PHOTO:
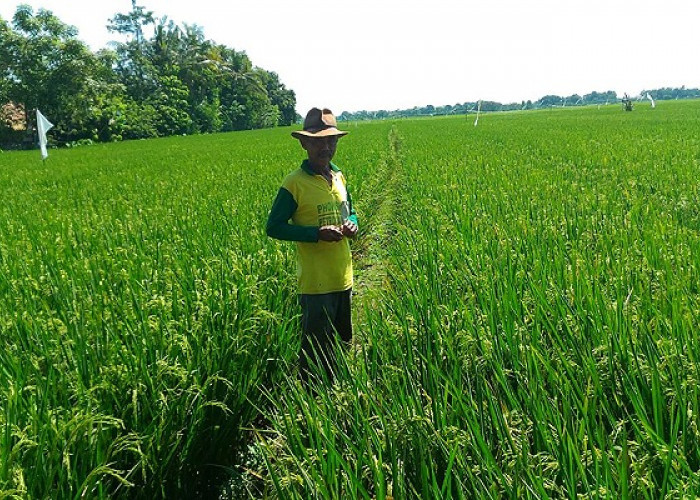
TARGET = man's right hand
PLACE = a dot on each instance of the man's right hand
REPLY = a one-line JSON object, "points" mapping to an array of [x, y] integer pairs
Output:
{"points": [[330, 233]]}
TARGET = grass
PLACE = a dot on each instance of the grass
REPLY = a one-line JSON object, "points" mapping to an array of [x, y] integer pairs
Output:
{"points": [[527, 309]]}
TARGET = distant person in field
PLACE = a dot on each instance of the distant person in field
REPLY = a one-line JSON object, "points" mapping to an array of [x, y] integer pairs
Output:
{"points": [[316, 200]]}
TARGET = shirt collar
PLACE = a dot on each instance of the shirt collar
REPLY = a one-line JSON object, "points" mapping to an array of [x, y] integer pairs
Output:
{"points": [[307, 168]]}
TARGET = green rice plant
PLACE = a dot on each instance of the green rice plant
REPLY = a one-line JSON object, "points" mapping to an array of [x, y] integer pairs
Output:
{"points": [[142, 309], [526, 321], [533, 334]]}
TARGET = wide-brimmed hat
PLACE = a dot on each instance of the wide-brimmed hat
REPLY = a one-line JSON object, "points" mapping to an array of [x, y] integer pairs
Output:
{"points": [[319, 123]]}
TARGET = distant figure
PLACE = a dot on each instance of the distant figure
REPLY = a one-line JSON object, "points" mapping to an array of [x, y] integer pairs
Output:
{"points": [[316, 199], [627, 103]]}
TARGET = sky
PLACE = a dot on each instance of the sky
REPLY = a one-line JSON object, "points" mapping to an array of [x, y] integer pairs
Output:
{"points": [[394, 54]]}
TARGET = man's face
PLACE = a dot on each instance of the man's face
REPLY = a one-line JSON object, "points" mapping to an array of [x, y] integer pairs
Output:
{"points": [[320, 149]]}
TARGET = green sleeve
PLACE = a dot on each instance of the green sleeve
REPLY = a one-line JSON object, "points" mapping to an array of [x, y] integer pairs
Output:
{"points": [[278, 225]]}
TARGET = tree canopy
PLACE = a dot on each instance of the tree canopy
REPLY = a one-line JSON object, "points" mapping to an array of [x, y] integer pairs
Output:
{"points": [[548, 101], [174, 81]]}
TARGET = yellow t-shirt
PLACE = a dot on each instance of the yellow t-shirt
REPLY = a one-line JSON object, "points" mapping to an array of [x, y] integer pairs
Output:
{"points": [[323, 266]]}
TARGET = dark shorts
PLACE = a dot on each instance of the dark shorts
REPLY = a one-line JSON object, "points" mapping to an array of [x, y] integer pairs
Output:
{"points": [[325, 320]]}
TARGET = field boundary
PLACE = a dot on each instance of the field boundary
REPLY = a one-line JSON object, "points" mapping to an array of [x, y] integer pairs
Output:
{"points": [[372, 247]]}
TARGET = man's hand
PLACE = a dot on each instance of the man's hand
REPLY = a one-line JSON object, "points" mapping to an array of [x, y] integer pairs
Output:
{"points": [[349, 229], [330, 233]]}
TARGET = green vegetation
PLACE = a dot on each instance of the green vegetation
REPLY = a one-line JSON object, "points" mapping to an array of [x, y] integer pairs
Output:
{"points": [[527, 312], [173, 82], [548, 101]]}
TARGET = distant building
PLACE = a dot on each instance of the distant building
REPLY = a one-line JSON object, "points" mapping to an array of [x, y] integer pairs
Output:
{"points": [[12, 116]]}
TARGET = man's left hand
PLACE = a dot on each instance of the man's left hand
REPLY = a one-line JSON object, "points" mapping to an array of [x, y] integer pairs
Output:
{"points": [[349, 229]]}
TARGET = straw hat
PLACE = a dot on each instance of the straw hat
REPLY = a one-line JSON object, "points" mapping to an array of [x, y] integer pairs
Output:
{"points": [[319, 123]]}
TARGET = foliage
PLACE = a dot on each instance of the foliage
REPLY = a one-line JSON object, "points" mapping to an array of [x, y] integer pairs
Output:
{"points": [[174, 82], [668, 93], [548, 101], [194, 84], [46, 68]]}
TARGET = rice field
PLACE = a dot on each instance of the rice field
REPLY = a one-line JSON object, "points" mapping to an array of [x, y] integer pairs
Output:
{"points": [[527, 307]]}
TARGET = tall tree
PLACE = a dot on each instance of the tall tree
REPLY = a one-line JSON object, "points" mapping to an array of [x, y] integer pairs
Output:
{"points": [[170, 82], [280, 96], [132, 64], [5, 61], [46, 66], [132, 23]]}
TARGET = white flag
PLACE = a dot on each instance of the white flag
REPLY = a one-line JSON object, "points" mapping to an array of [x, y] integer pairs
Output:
{"points": [[43, 126], [653, 104]]}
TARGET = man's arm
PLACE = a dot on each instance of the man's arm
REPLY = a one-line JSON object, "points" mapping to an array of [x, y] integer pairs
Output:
{"points": [[278, 225]]}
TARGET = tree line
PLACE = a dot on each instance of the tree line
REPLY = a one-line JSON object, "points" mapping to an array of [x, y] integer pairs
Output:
{"points": [[174, 81], [548, 101]]}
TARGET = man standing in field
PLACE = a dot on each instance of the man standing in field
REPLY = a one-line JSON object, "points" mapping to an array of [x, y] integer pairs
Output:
{"points": [[316, 199]]}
